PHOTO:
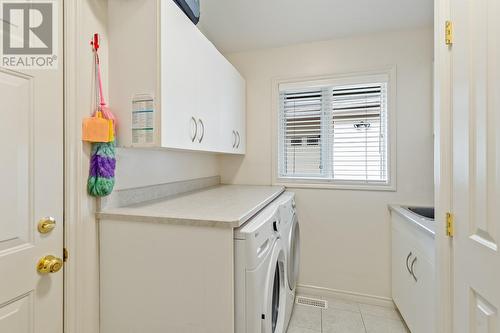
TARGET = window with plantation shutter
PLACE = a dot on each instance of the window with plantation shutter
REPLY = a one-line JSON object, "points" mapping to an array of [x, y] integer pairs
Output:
{"points": [[335, 132]]}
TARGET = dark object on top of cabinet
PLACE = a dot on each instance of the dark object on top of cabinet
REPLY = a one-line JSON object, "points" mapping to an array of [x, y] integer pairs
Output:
{"points": [[191, 8]]}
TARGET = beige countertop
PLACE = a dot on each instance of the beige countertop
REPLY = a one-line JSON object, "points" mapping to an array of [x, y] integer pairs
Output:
{"points": [[221, 206]]}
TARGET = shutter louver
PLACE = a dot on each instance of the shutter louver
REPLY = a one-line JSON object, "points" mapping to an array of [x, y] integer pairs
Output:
{"points": [[359, 145], [300, 133], [335, 133]]}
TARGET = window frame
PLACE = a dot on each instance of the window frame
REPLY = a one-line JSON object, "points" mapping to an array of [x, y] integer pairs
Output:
{"points": [[385, 74]]}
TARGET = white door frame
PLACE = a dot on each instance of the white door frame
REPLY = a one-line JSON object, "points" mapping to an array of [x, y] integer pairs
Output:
{"points": [[72, 162], [442, 166], [78, 302]]}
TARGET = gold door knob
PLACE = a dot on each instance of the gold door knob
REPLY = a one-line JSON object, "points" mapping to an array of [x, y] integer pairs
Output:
{"points": [[46, 225], [49, 264]]}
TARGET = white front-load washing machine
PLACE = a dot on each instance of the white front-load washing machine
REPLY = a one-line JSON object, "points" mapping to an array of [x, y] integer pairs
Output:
{"points": [[260, 274], [290, 236]]}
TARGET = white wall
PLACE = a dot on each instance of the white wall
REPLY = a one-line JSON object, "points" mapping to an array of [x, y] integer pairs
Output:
{"points": [[142, 167], [345, 234]]}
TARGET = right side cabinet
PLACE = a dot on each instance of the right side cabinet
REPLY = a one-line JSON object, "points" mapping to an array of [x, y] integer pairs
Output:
{"points": [[413, 269]]}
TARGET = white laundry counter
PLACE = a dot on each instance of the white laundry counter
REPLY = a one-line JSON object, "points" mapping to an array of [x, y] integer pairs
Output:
{"points": [[167, 263]]}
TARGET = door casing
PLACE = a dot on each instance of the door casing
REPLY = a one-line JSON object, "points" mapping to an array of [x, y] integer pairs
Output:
{"points": [[81, 293], [442, 166]]}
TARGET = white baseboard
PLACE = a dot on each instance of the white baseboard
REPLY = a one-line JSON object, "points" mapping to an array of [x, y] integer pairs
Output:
{"points": [[346, 295]]}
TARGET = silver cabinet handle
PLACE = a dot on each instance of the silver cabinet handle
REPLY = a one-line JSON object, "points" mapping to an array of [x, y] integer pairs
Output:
{"points": [[408, 267], [411, 268], [202, 130], [239, 139], [234, 138], [193, 136]]}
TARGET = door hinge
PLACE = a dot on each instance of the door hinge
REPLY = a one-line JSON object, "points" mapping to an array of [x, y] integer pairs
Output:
{"points": [[65, 254], [450, 225], [448, 33]]}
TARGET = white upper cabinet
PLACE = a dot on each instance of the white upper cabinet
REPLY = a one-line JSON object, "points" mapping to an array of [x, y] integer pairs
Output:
{"points": [[161, 62]]}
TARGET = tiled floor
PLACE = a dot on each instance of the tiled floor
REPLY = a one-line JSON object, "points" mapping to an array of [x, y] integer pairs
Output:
{"points": [[346, 317]]}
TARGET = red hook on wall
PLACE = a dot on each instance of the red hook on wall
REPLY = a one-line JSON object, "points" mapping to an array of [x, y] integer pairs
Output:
{"points": [[95, 42]]}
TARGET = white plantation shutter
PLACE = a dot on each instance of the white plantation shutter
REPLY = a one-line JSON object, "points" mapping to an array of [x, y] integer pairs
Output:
{"points": [[359, 131], [300, 132], [335, 133]]}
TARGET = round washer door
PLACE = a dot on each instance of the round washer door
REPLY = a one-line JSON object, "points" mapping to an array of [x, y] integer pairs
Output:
{"points": [[293, 253], [276, 300], [274, 315]]}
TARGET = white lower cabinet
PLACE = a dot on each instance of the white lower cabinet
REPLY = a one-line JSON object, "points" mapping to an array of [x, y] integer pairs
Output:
{"points": [[165, 278], [424, 294], [402, 280], [197, 97], [413, 270]]}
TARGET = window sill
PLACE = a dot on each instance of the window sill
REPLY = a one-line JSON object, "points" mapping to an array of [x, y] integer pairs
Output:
{"points": [[301, 183]]}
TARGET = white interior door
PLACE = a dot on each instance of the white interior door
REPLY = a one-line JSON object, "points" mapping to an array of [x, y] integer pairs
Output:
{"points": [[476, 165], [31, 173]]}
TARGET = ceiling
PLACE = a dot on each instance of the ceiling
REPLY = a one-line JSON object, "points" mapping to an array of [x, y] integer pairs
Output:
{"points": [[241, 25]]}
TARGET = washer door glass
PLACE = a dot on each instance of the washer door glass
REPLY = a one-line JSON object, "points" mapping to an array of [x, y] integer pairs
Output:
{"points": [[294, 253], [275, 307]]}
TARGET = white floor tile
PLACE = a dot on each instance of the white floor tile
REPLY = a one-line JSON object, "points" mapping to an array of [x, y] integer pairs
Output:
{"points": [[342, 321], [294, 329], [340, 304], [379, 311], [306, 317], [376, 324], [344, 316]]}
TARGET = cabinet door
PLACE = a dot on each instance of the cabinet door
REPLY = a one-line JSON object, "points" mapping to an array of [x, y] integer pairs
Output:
{"points": [[402, 280], [423, 294], [228, 137], [209, 95], [179, 77], [233, 120], [239, 109]]}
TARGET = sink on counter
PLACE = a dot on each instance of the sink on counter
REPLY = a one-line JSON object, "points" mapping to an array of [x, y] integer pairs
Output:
{"points": [[421, 216], [413, 265], [426, 212]]}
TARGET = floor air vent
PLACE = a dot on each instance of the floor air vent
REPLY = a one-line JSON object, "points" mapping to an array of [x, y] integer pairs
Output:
{"points": [[313, 302]]}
